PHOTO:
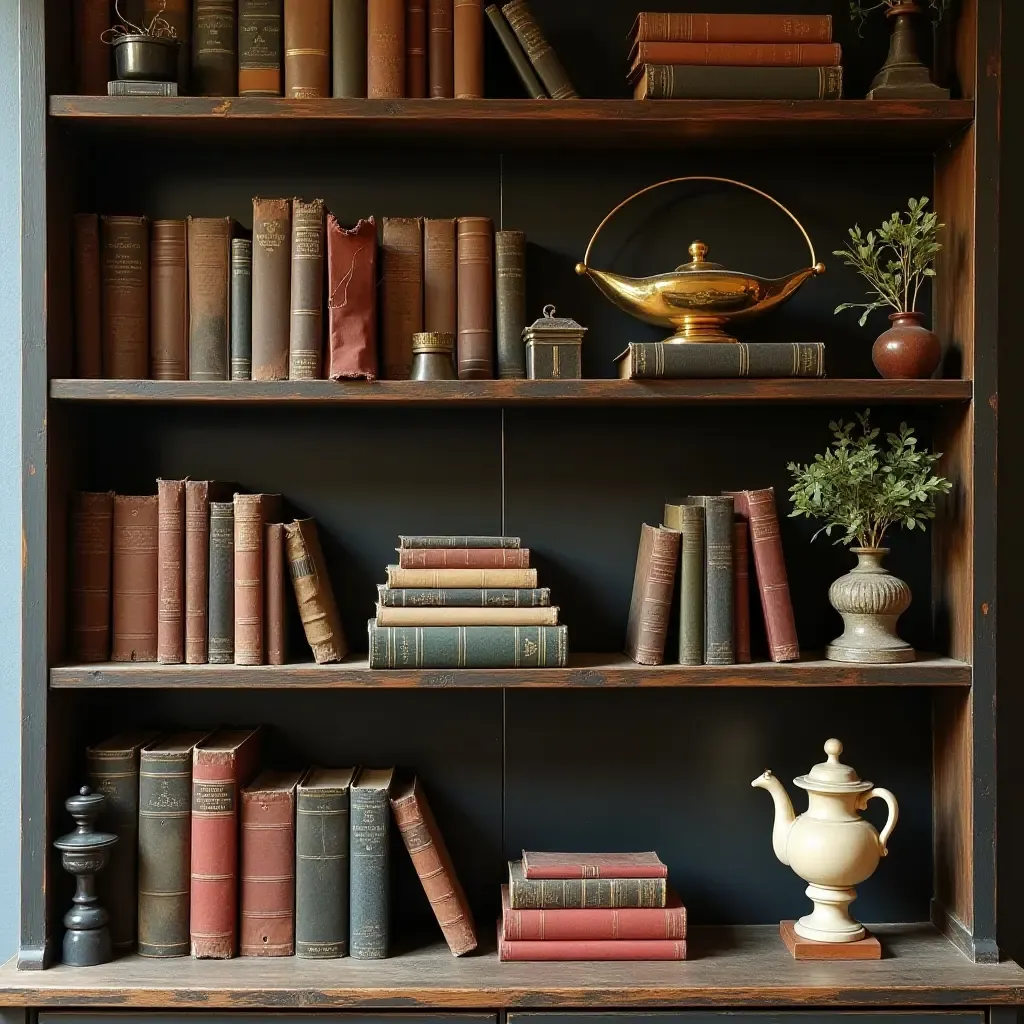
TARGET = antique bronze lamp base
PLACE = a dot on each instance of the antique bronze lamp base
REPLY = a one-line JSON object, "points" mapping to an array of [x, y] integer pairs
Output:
{"points": [[706, 329]]}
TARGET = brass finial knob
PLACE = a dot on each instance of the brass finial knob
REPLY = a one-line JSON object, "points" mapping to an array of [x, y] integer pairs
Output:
{"points": [[698, 252]]}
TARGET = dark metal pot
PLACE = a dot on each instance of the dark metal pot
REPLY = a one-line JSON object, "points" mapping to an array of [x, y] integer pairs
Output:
{"points": [[146, 58]]}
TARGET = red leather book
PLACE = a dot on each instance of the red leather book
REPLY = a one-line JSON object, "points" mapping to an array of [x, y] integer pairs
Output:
{"points": [[464, 558], [741, 591], [591, 949], [593, 865], [221, 765], [91, 531], [275, 572], [475, 249], [170, 572], [656, 27], [134, 578], [792, 55], [351, 299]]}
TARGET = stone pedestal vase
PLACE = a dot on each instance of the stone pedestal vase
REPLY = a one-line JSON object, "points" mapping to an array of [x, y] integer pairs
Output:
{"points": [[903, 76], [908, 350], [870, 600]]}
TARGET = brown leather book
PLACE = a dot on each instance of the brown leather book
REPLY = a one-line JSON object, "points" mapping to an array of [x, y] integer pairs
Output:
{"points": [[306, 334], [198, 495], [313, 591], [741, 591], [657, 27], [739, 54], [124, 261], [352, 299], [468, 46], [543, 58], [168, 301], [441, 49], [209, 290], [510, 274], [215, 48], [88, 312], [92, 54], [170, 578], [416, 49], [440, 306], [252, 513], [134, 577], [259, 47], [348, 49], [476, 298], [177, 14], [275, 572], [91, 525], [385, 49], [307, 49], [271, 287], [651, 602], [401, 296]]}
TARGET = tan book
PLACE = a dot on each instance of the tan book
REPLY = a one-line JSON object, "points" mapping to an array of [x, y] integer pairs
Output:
{"points": [[317, 607], [518, 578], [391, 616], [401, 293]]}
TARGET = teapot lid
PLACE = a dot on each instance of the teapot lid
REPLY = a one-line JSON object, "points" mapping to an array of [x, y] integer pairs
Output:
{"points": [[832, 776], [698, 262]]}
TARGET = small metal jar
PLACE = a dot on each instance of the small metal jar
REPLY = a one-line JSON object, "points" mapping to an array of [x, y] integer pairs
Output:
{"points": [[432, 353], [553, 348], [146, 58]]}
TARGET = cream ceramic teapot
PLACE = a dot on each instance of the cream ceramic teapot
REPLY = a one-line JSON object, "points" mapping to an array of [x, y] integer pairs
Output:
{"points": [[830, 845]]}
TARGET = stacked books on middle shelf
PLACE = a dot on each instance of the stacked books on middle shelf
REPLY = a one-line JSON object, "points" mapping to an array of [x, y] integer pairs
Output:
{"points": [[465, 602], [590, 906]]}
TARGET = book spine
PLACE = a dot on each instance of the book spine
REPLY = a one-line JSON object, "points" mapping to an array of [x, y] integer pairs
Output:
{"points": [[214, 48], [87, 288], [462, 541], [618, 949], [322, 874], [593, 865], [464, 558], [732, 28], [385, 50], [691, 586], [249, 579], [718, 609], [440, 296], [305, 341], [92, 54], [586, 893], [209, 290], [519, 60], [91, 531], [806, 55], [401, 293], [483, 578], [267, 926], [416, 49], [124, 259], [387, 616], [476, 298], [468, 46], [170, 635], [348, 22], [134, 578], [271, 287], [313, 592], [655, 361], [653, 583], [543, 58], [222, 583], [168, 293], [593, 925], [197, 546], [441, 44], [259, 47], [504, 597], [241, 309], [177, 14], [741, 591], [680, 81], [369, 897], [510, 274], [307, 55], [352, 299], [274, 573], [468, 646]]}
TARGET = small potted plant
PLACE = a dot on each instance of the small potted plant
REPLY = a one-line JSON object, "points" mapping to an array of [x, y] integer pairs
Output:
{"points": [[903, 76], [861, 490], [895, 260], [146, 52]]}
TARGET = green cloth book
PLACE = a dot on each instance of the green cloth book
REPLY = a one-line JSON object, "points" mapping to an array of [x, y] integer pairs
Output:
{"points": [[583, 893], [467, 646], [653, 360]]}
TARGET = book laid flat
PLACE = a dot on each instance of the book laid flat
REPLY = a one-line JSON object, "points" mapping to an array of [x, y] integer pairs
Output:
{"points": [[351, 300], [441, 48], [468, 646], [448, 597], [275, 575], [88, 360], [241, 309], [543, 58], [314, 593], [440, 306], [475, 346], [582, 893], [583, 949], [168, 299], [731, 28], [92, 515], [741, 591], [305, 341], [259, 47], [401, 291], [134, 578], [689, 521], [510, 285], [271, 287], [91, 53], [593, 865], [416, 49], [794, 55], [651, 600], [434, 866], [369, 888], [464, 558], [697, 82], [142, 88], [220, 612], [124, 263], [385, 49], [170, 573], [215, 48], [457, 541], [516, 54], [399, 577], [307, 49], [348, 48], [468, 47], [652, 360], [718, 581], [209, 297], [200, 564], [456, 616]]}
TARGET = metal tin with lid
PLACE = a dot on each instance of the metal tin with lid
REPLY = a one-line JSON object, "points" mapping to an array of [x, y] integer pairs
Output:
{"points": [[432, 353], [554, 347]]}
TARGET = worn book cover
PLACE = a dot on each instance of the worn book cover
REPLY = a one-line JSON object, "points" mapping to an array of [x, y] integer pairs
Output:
{"points": [[399, 577], [593, 865], [689, 521], [582, 893], [134, 574], [92, 516], [388, 615], [369, 892], [317, 607], [718, 576], [170, 579], [653, 584], [411, 647]]}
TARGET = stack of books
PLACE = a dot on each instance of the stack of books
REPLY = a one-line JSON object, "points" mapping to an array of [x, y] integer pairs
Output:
{"points": [[735, 57], [465, 602], [590, 906]]}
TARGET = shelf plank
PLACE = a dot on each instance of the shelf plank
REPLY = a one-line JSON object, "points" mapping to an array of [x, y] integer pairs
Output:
{"points": [[584, 671], [731, 967]]}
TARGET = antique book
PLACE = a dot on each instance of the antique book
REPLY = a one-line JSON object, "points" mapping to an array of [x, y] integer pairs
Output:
{"points": [[165, 843], [516, 54], [124, 263], [209, 297], [113, 768], [313, 591], [468, 48], [221, 614], [177, 14], [440, 297], [652, 360], [322, 863], [399, 577], [543, 58], [214, 48], [582, 893], [441, 48], [221, 765], [306, 332], [401, 293], [718, 584], [741, 591], [652, 27], [307, 49], [416, 49], [651, 601], [433, 864], [241, 309], [351, 300], [426, 597], [510, 275], [275, 572], [134, 578], [464, 558], [695, 82], [476, 298], [91, 54], [348, 49], [259, 47], [388, 615], [198, 562], [369, 889], [793, 55], [168, 300], [544, 864], [468, 646], [385, 50], [271, 287], [170, 573], [596, 950], [250, 518], [689, 521], [267, 900], [91, 532], [457, 541], [88, 359], [142, 88]]}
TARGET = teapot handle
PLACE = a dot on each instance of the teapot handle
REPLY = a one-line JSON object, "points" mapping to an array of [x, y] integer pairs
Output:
{"points": [[894, 813]]}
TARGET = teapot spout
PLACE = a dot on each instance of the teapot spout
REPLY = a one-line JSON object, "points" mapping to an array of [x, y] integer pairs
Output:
{"points": [[784, 814], [638, 296]]}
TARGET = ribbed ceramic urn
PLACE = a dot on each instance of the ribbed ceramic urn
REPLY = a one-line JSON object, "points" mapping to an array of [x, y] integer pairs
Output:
{"points": [[870, 600]]}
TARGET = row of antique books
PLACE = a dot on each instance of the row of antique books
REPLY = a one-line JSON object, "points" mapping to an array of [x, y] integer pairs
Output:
{"points": [[195, 574], [220, 858], [705, 543], [465, 602], [734, 56], [198, 299]]}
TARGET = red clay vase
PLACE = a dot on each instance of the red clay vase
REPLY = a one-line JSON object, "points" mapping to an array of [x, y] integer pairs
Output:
{"points": [[908, 350]]}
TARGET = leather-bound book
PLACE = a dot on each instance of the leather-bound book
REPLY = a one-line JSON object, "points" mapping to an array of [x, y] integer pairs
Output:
{"points": [[91, 526], [305, 342], [424, 597], [307, 49], [369, 888], [275, 572], [249, 523], [583, 893], [741, 591], [718, 603], [351, 300], [595, 950], [476, 298], [124, 262], [268, 865], [259, 47], [434, 866], [322, 863], [271, 287], [516, 54], [545, 864], [440, 296], [655, 27], [165, 843], [468, 45], [399, 577], [401, 296], [222, 583], [795, 54], [416, 49], [464, 558], [168, 301], [348, 50], [510, 274], [221, 765], [543, 58], [198, 496], [413, 647], [441, 49], [696, 82], [689, 521], [651, 360], [214, 48], [437, 540], [241, 309], [170, 579], [114, 771], [385, 49], [92, 54], [317, 607], [177, 14], [453, 616], [651, 601], [209, 295], [87, 284], [134, 578]]}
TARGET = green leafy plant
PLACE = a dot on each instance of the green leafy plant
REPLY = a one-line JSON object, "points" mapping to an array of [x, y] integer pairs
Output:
{"points": [[895, 260], [862, 490], [860, 12]]}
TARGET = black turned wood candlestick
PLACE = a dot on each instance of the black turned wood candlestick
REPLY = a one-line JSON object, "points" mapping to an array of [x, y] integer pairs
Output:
{"points": [[85, 852], [903, 76]]}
